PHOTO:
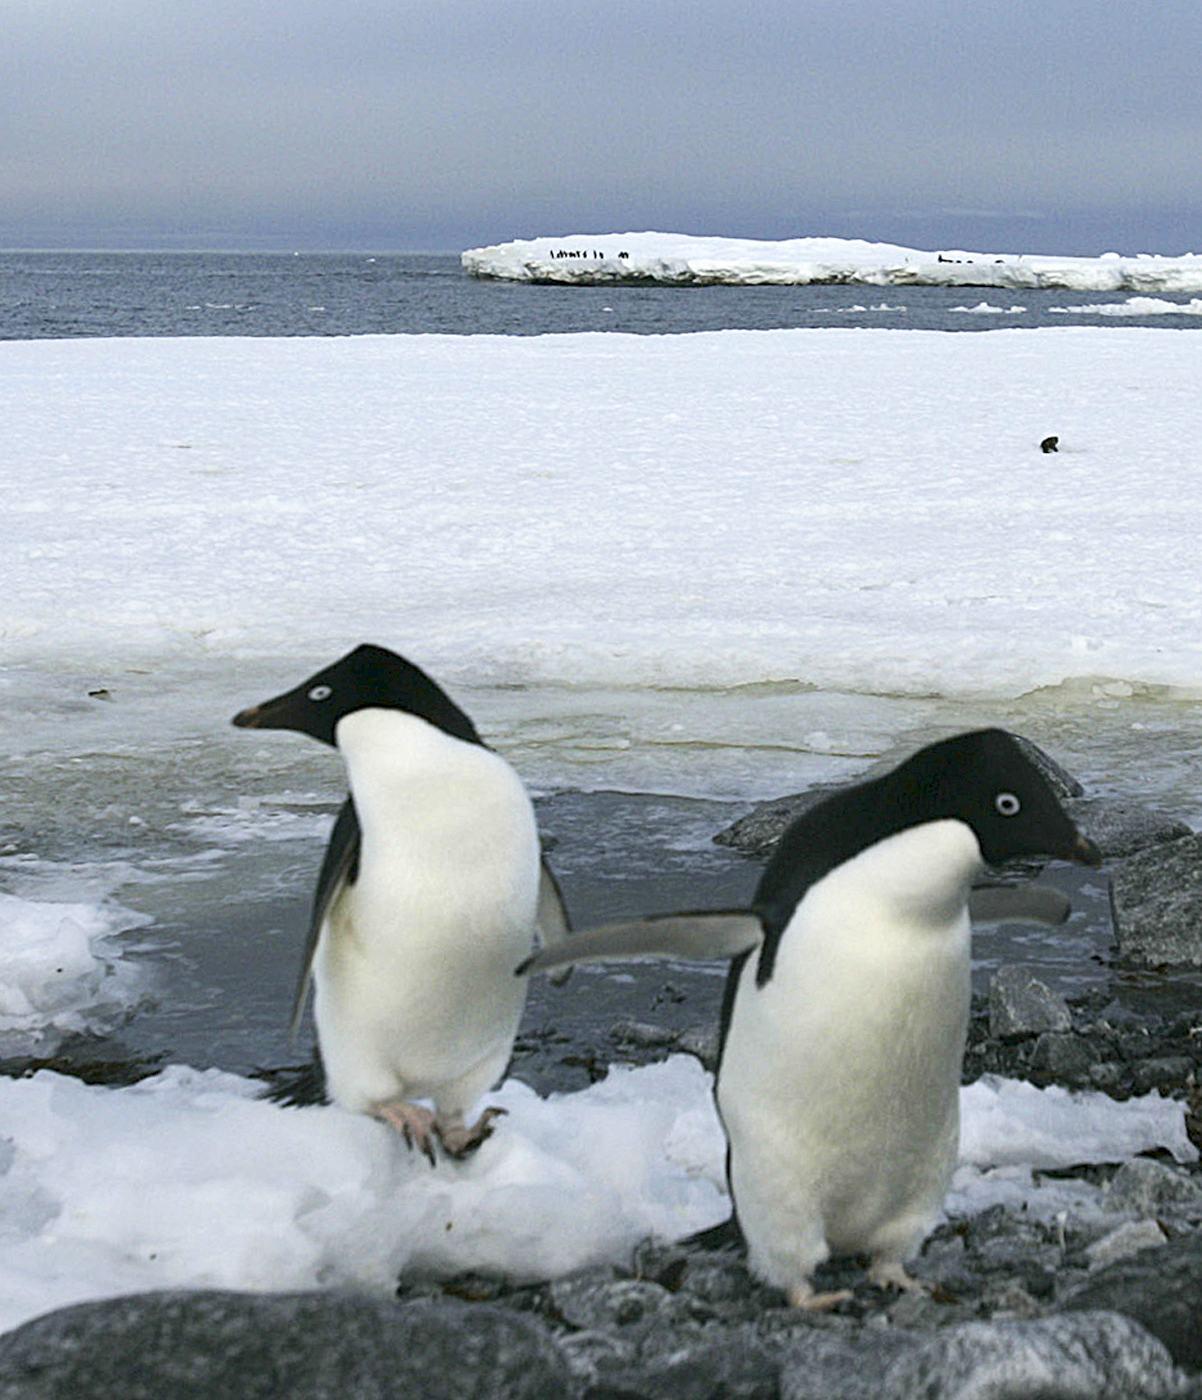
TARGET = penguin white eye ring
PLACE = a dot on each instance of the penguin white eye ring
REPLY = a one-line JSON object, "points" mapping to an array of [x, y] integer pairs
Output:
{"points": [[1007, 804], [320, 692]]}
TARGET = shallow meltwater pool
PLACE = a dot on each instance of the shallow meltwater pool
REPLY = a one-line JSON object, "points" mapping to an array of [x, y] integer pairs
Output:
{"points": [[212, 838]]}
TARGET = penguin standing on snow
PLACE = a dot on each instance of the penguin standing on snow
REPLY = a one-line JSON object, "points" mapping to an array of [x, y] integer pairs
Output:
{"points": [[431, 890], [846, 1007]]}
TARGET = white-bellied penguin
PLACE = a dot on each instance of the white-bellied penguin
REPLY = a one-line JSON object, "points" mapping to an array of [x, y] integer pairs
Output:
{"points": [[431, 889], [846, 1008]]}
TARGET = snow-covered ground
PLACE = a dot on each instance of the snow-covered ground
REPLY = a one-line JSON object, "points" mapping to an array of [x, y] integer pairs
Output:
{"points": [[724, 564], [684, 260], [189, 1180], [857, 510]]}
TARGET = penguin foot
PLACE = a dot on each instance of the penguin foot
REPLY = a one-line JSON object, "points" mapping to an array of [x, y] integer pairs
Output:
{"points": [[459, 1141], [414, 1123], [889, 1273], [802, 1296]]}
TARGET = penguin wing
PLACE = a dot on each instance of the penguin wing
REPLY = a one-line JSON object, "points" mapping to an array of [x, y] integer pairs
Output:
{"points": [[552, 917], [339, 867], [1028, 904], [711, 933]]}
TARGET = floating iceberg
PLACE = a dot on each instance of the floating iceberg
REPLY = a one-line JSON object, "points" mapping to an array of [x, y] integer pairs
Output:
{"points": [[680, 260]]}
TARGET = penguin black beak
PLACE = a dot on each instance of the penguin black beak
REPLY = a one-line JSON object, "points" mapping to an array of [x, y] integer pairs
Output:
{"points": [[1084, 852], [250, 718]]}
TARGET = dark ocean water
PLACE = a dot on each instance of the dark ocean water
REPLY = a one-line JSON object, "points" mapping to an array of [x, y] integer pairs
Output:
{"points": [[57, 295]]}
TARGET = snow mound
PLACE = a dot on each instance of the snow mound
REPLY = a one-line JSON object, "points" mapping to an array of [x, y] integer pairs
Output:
{"points": [[683, 260], [190, 1180]]}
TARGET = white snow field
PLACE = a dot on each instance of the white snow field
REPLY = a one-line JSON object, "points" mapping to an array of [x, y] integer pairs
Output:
{"points": [[189, 1180], [863, 510], [683, 260]]}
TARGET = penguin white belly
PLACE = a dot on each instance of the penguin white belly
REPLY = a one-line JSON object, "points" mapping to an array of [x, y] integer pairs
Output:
{"points": [[416, 995], [839, 1083]]}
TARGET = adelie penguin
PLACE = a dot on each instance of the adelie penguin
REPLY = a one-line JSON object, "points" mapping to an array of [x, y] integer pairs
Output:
{"points": [[846, 1007], [431, 889]]}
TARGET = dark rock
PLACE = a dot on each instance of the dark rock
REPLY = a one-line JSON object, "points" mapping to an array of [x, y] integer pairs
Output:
{"points": [[701, 1041], [1067, 1059], [1145, 1187], [1107, 1076], [736, 1367], [644, 1035], [307, 1346], [1020, 1004], [717, 1279], [1158, 1288], [597, 1300], [757, 833], [1165, 1073], [1130, 1238], [1092, 1356], [1119, 827], [1156, 898]]}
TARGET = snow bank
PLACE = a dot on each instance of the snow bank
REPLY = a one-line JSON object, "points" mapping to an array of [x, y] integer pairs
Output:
{"points": [[857, 510], [60, 971], [189, 1180], [1134, 306], [679, 259]]}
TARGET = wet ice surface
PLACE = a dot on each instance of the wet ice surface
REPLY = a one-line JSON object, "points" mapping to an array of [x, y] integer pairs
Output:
{"points": [[222, 879]]}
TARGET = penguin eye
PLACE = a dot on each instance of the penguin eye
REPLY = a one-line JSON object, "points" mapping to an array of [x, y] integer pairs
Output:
{"points": [[1007, 804], [320, 692]]}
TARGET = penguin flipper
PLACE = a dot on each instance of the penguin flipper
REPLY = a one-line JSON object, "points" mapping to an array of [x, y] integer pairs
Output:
{"points": [[552, 917], [339, 867], [710, 933], [1027, 904]]}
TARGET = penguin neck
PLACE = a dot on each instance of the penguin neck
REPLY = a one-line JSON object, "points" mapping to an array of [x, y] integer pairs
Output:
{"points": [[921, 876], [401, 767]]}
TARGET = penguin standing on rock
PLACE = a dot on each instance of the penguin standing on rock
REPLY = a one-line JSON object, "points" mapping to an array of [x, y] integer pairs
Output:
{"points": [[431, 890], [846, 1007]]}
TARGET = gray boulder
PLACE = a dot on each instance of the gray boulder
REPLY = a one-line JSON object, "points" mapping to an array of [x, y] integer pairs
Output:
{"points": [[1156, 898], [1091, 1356], [757, 833], [1147, 1188], [307, 1346], [1119, 827], [1159, 1288], [1021, 1005]]}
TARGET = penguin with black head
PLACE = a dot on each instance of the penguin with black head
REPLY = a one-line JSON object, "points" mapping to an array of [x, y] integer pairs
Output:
{"points": [[432, 887], [846, 1006]]}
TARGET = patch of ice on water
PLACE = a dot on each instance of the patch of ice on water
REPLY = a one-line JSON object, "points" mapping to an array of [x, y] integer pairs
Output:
{"points": [[61, 971]]}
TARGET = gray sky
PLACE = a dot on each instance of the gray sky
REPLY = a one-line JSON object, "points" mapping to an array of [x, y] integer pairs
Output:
{"points": [[1040, 125]]}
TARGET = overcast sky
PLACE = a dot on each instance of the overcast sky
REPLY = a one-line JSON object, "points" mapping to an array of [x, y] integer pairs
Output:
{"points": [[1039, 125]]}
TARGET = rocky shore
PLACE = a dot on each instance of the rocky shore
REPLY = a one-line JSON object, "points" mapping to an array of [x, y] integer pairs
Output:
{"points": [[1101, 1302]]}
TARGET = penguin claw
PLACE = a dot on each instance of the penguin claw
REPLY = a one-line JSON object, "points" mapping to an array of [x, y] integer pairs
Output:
{"points": [[415, 1124], [462, 1142]]}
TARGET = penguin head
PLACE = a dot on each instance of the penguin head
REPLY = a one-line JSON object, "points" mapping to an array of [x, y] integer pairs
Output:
{"points": [[369, 677], [986, 780]]}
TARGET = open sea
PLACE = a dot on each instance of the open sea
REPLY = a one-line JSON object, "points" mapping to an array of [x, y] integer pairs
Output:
{"points": [[56, 295]]}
